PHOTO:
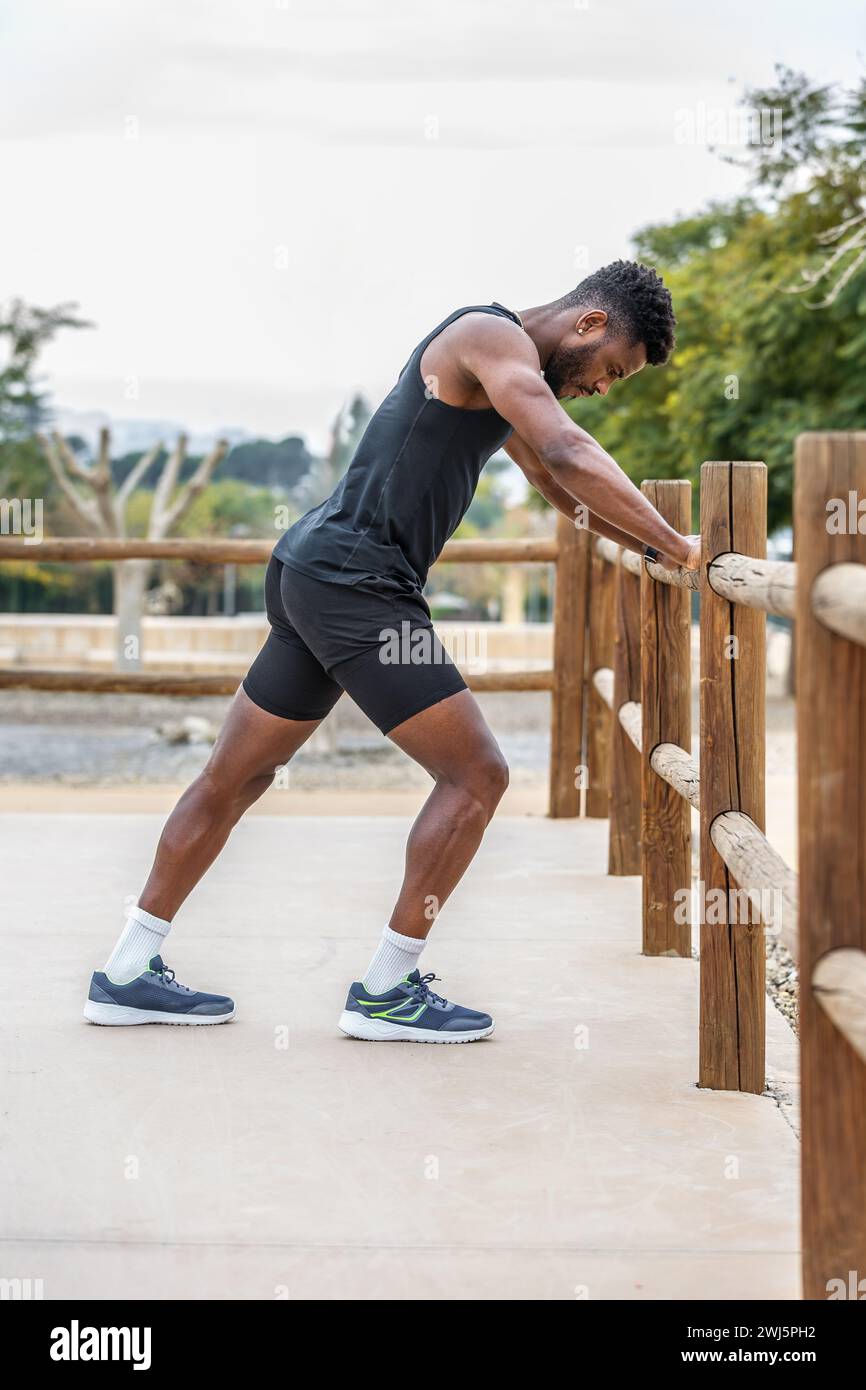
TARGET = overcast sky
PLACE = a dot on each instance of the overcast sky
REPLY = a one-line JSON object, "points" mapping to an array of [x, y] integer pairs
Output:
{"points": [[264, 204]]}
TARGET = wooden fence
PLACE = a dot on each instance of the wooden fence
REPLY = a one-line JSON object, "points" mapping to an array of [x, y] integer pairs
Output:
{"points": [[568, 550], [641, 771], [621, 726]]}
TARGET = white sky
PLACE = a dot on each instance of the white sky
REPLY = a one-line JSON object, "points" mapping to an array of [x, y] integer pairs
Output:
{"points": [[243, 195]]}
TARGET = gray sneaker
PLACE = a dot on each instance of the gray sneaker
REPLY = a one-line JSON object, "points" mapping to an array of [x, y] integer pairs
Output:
{"points": [[153, 997], [411, 1012]]}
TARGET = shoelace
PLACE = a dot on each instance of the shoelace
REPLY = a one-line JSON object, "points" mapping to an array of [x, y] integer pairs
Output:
{"points": [[423, 990], [167, 975]]}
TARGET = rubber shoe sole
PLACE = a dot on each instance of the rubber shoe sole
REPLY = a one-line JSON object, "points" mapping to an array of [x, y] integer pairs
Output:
{"points": [[356, 1025], [121, 1016]]}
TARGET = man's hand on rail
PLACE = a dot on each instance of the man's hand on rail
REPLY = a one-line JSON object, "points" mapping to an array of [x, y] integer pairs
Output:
{"points": [[692, 560]]}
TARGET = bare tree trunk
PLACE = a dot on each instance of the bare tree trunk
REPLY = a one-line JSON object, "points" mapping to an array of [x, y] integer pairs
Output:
{"points": [[514, 595], [103, 513], [130, 586]]}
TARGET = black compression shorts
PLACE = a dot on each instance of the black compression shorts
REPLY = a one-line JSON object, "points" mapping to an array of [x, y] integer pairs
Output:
{"points": [[326, 638]]}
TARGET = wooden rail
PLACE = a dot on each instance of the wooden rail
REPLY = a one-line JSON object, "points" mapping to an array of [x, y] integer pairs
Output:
{"points": [[839, 600], [820, 915], [191, 683], [568, 550], [756, 583], [219, 551]]}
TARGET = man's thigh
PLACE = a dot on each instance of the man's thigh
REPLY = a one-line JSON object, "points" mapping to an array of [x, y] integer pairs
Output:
{"points": [[253, 743], [450, 738]]}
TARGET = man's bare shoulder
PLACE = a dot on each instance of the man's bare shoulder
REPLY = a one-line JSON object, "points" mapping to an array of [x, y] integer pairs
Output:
{"points": [[476, 337], [492, 329], [470, 350]]}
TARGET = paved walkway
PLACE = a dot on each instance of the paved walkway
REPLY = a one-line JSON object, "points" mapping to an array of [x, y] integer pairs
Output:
{"points": [[195, 1163]]}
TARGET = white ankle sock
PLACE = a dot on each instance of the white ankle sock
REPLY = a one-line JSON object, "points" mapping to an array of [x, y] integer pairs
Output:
{"points": [[140, 940], [396, 956]]}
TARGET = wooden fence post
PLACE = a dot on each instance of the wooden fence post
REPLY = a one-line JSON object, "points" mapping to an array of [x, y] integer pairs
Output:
{"points": [[666, 685], [569, 631], [732, 750], [602, 584], [623, 856], [831, 744]]}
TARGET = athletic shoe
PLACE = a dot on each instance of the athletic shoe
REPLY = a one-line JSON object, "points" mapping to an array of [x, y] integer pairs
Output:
{"points": [[411, 1012], [153, 997]]}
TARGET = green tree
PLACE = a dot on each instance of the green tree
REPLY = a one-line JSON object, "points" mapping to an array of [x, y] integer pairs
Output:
{"points": [[755, 364], [24, 331]]}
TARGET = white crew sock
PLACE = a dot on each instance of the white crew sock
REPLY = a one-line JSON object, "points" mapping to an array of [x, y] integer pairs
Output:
{"points": [[395, 957], [140, 940]]}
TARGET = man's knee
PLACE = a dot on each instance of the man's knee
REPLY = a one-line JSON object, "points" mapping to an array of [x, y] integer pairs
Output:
{"points": [[487, 779], [498, 778], [232, 792]]}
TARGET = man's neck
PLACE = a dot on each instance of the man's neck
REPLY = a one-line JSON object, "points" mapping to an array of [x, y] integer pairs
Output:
{"points": [[544, 326]]}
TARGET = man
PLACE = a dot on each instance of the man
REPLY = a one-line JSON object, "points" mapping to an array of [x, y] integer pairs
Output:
{"points": [[350, 574]]}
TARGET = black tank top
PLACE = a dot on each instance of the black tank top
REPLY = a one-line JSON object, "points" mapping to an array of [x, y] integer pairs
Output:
{"points": [[406, 490]]}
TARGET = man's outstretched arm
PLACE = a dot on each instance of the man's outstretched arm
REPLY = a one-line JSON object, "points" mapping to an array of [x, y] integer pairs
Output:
{"points": [[536, 474], [504, 361]]}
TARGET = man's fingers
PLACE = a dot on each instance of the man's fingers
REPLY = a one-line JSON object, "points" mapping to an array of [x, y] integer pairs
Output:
{"points": [[693, 559], [691, 562]]}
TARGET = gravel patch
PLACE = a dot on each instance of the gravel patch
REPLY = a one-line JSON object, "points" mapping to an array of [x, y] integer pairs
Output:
{"points": [[114, 740], [783, 981]]}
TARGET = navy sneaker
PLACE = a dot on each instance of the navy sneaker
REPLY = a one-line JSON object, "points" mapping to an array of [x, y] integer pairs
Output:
{"points": [[411, 1012], [153, 997]]}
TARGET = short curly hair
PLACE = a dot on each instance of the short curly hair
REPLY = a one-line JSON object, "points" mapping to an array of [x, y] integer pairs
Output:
{"points": [[637, 302]]}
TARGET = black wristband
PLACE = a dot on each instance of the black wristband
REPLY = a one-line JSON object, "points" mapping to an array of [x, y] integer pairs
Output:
{"points": [[650, 554]]}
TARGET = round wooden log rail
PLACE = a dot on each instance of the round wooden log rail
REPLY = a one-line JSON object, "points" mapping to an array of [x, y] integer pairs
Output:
{"points": [[602, 679], [679, 769], [635, 564], [839, 986], [839, 600], [629, 716], [73, 550], [120, 683], [759, 869], [770, 585], [190, 683], [608, 550]]}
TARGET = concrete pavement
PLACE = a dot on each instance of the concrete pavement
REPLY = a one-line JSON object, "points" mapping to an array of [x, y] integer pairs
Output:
{"points": [[571, 1155]]}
